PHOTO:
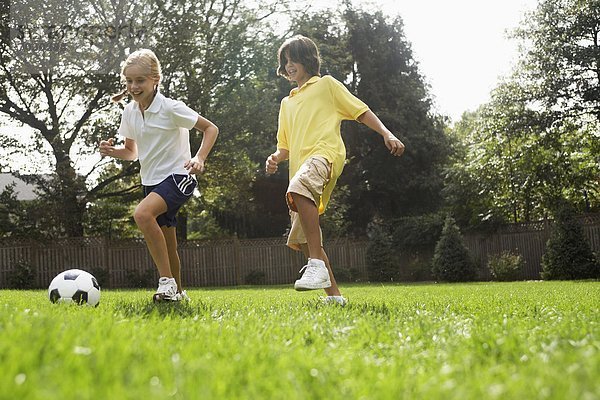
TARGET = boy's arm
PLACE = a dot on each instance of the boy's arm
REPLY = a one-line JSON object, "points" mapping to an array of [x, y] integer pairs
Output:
{"points": [[128, 152], [394, 145], [274, 159], [210, 131]]}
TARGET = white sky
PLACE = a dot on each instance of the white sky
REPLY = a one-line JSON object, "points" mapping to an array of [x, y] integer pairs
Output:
{"points": [[461, 45]]}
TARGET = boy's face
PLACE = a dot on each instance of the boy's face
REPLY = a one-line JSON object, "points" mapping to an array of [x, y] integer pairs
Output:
{"points": [[296, 71], [139, 84]]}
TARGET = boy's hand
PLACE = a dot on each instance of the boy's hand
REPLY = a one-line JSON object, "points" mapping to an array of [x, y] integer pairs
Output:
{"points": [[195, 166], [394, 145], [107, 147], [271, 165]]}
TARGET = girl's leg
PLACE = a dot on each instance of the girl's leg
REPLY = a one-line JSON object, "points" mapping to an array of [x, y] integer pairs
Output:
{"points": [[170, 234], [145, 217]]}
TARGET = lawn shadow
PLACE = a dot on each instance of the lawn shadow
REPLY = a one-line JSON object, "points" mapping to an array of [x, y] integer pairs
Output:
{"points": [[147, 309]]}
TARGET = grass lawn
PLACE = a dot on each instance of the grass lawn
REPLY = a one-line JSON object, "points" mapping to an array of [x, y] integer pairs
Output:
{"points": [[523, 340]]}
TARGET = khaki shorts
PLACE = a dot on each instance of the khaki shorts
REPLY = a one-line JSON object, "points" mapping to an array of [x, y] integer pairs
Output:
{"points": [[309, 181]]}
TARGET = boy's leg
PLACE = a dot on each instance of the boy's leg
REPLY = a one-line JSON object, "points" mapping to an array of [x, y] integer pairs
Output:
{"points": [[145, 217], [333, 290], [309, 220], [170, 234]]}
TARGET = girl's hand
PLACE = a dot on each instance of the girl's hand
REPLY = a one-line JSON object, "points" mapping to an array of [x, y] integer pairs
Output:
{"points": [[107, 147], [394, 145], [271, 165], [195, 166]]}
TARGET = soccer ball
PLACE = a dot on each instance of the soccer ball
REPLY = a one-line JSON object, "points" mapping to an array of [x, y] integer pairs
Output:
{"points": [[74, 286]]}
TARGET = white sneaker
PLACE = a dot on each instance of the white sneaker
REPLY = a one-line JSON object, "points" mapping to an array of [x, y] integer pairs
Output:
{"points": [[181, 296], [332, 300], [315, 276], [167, 289]]}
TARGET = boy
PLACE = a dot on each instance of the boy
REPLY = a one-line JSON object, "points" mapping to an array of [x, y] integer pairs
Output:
{"points": [[309, 136]]}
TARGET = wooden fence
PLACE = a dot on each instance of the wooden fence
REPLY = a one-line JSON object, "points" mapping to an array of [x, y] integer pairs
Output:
{"points": [[204, 263], [265, 261], [529, 240]]}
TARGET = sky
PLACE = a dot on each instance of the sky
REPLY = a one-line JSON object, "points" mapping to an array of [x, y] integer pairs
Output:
{"points": [[461, 45]]}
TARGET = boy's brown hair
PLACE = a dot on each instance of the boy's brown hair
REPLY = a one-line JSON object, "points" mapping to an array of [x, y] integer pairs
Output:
{"points": [[301, 50]]}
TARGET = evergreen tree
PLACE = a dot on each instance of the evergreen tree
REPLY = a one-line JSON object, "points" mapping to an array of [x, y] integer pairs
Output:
{"points": [[452, 261], [568, 252], [380, 255]]}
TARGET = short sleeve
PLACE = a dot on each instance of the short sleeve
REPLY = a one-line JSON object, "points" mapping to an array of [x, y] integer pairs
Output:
{"points": [[125, 128], [183, 116], [282, 129], [347, 105]]}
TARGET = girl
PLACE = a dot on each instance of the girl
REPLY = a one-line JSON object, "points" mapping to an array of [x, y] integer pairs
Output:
{"points": [[156, 131]]}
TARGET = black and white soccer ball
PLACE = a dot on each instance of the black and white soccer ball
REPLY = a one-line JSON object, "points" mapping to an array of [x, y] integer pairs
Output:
{"points": [[74, 286]]}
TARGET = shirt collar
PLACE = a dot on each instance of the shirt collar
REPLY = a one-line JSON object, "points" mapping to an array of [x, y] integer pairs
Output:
{"points": [[312, 80], [156, 103]]}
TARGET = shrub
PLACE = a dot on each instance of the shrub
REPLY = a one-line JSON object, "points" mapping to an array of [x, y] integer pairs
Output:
{"points": [[568, 253], [22, 276], [507, 266], [255, 277], [141, 279], [451, 260], [401, 249], [101, 275], [343, 274], [380, 255], [416, 234]]}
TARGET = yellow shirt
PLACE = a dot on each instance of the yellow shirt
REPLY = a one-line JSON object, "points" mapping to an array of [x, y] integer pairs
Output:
{"points": [[309, 125]]}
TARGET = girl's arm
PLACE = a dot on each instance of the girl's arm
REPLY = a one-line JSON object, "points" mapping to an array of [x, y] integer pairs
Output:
{"points": [[274, 159], [210, 131], [127, 152], [394, 145]]}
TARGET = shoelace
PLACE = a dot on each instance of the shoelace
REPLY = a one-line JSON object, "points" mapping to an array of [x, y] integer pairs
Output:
{"points": [[164, 287], [310, 271]]}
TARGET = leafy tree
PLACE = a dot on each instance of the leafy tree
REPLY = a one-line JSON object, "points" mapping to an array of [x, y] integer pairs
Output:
{"points": [[518, 161], [224, 69], [371, 55], [53, 79], [561, 60], [214, 56], [388, 80], [536, 141], [452, 261]]}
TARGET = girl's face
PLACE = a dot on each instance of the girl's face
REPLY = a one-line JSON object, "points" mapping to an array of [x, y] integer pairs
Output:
{"points": [[139, 84], [296, 72]]}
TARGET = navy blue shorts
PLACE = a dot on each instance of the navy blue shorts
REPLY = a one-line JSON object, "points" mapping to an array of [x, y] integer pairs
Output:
{"points": [[175, 191]]}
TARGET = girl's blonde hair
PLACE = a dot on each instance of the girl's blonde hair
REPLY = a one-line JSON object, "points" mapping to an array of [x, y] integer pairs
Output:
{"points": [[147, 60]]}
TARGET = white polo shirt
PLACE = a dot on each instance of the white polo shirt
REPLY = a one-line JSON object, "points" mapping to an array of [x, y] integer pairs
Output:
{"points": [[162, 136]]}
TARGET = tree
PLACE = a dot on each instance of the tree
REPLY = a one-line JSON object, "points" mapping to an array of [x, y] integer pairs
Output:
{"points": [[214, 56], [451, 260], [561, 57], [536, 141], [55, 75], [568, 253], [372, 56], [226, 70]]}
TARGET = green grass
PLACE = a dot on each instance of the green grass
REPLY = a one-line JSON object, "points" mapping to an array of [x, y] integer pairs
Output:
{"points": [[525, 340]]}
